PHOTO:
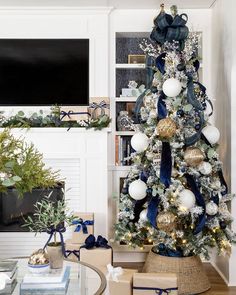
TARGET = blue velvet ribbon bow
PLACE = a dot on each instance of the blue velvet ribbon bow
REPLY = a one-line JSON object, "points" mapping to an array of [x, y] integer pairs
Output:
{"points": [[158, 291], [60, 230], [71, 113], [91, 242], [82, 225], [167, 28], [75, 252]]}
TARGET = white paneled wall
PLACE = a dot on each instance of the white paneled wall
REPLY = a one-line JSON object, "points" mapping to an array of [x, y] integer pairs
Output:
{"points": [[81, 157]]}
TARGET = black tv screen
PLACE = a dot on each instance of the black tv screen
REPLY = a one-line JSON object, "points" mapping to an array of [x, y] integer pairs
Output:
{"points": [[44, 72]]}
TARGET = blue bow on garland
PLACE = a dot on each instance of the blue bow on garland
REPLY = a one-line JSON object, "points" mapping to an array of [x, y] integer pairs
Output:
{"points": [[71, 113], [75, 252], [82, 225], [158, 291], [167, 28], [51, 231], [91, 242]]}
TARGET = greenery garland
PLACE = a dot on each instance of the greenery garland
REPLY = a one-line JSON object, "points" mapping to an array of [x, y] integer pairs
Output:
{"points": [[52, 120]]}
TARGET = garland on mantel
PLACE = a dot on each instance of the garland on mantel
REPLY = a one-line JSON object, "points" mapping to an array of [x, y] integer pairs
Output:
{"points": [[54, 119]]}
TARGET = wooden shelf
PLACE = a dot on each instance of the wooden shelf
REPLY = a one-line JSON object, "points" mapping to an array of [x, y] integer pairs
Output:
{"points": [[130, 66]]}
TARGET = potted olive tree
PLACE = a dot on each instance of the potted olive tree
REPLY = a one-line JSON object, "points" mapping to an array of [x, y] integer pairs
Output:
{"points": [[24, 179], [51, 217]]}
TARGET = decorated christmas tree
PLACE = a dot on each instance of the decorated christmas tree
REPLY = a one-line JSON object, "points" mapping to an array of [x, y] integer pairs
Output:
{"points": [[175, 196]]}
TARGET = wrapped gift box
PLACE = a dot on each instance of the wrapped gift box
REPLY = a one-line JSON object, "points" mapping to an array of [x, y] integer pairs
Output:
{"points": [[99, 106], [98, 257], [78, 235], [75, 113], [70, 247], [123, 285], [154, 283]]}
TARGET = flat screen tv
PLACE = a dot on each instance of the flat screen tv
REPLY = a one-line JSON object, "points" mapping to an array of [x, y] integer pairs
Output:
{"points": [[44, 72]]}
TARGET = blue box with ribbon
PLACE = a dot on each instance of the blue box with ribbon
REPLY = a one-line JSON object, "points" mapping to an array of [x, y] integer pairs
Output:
{"points": [[83, 226], [155, 283]]}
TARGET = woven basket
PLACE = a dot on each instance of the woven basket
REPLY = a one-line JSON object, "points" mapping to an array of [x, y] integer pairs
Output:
{"points": [[191, 275]]}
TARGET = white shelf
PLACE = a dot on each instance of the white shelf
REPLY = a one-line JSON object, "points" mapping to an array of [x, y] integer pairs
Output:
{"points": [[125, 99], [130, 66], [124, 133]]}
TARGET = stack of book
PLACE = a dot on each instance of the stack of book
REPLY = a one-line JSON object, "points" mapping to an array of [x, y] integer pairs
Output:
{"points": [[9, 267], [55, 282], [123, 150]]}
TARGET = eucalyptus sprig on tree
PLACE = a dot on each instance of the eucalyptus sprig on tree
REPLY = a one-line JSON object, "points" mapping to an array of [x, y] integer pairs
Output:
{"points": [[49, 215], [22, 166]]}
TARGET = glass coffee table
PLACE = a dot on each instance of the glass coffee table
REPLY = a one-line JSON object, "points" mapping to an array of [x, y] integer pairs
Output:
{"points": [[84, 278]]}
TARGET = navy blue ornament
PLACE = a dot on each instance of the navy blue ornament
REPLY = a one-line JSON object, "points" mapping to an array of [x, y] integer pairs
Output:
{"points": [[180, 113], [182, 169], [223, 225], [197, 126], [124, 190], [181, 67], [154, 89]]}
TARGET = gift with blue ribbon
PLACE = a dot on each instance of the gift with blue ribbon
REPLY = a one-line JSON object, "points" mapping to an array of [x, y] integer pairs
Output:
{"points": [[69, 115], [98, 109], [159, 283], [83, 227], [96, 251]]}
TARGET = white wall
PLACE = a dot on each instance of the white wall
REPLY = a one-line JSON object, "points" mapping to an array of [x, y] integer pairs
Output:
{"points": [[65, 23], [223, 86]]}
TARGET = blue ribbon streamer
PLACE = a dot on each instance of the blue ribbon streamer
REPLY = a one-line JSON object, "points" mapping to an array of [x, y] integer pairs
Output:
{"points": [[75, 252], [152, 211], [160, 62], [161, 106], [82, 225], [200, 201], [60, 230], [166, 164], [158, 291]]}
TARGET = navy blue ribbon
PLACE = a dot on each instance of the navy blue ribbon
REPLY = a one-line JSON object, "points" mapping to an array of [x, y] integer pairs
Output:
{"points": [[160, 62], [82, 225], [152, 211], [223, 182], [60, 230], [200, 201], [169, 29], [75, 252], [161, 106], [71, 113], [166, 164], [158, 291], [91, 242]]}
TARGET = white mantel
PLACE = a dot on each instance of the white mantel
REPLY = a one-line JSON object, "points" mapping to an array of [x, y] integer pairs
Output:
{"points": [[81, 155]]}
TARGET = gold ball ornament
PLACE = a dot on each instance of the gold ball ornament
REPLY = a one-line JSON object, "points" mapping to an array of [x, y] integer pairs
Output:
{"points": [[193, 156], [166, 128], [166, 221]]}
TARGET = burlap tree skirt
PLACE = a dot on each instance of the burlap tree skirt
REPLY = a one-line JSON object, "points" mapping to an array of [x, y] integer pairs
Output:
{"points": [[192, 278]]}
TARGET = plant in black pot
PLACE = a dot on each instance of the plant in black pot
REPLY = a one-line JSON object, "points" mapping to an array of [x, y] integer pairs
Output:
{"points": [[51, 217], [24, 179]]}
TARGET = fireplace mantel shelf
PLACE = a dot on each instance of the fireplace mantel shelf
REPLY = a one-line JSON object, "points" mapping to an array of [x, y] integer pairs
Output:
{"points": [[57, 130]]}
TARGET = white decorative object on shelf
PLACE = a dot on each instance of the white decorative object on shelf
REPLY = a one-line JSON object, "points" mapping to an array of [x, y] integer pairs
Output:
{"points": [[211, 133], [137, 189], [172, 87], [211, 208], [205, 168], [139, 142], [186, 199]]}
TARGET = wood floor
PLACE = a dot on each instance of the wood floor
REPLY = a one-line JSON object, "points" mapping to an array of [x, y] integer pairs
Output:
{"points": [[218, 285]]}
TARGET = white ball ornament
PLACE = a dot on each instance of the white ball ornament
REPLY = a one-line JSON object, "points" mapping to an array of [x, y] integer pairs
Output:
{"points": [[137, 189], [211, 133], [205, 168], [211, 208], [172, 87], [186, 199], [139, 142], [143, 215]]}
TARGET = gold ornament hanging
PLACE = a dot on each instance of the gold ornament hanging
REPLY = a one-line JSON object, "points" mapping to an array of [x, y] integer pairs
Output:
{"points": [[166, 221], [166, 128], [193, 156]]}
